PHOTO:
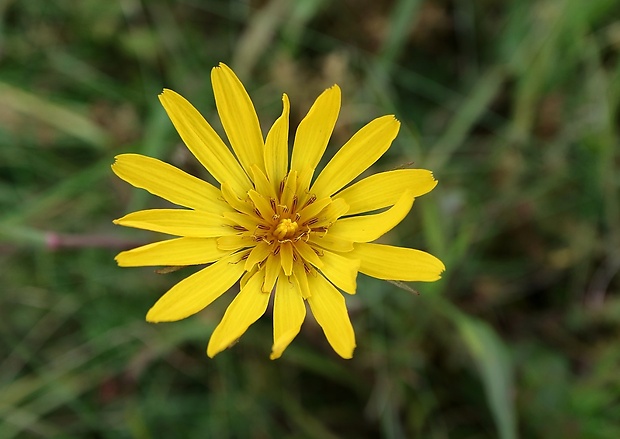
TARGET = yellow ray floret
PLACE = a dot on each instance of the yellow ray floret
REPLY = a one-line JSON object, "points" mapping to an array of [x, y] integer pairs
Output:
{"points": [[268, 226]]}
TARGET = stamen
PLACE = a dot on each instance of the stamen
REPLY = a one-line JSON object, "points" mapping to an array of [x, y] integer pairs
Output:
{"points": [[299, 236], [294, 203], [318, 252], [282, 183], [239, 228], [311, 199], [311, 221], [257, 212]]}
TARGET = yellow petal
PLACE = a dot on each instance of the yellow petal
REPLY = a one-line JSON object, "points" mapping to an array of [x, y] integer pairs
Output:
{"points": [[276, 147], [231, 197], [331, 213], [370, 227], [303, 183], [289, 312], [397, 263], [288, 191], [357, 155], [178, 222], [258, 254], [168, 182], [179, 251], [241, 220], [244, 310], [302, 280], [204, 142], [247, 276], [341, 270], [238, 117], [385, 188], [308, 254], [330, 242], [262, 204], [262, 183], [315, 130], [273, 267], [313, 209], [197, 291], [235, 242], [329, 308], [286, 257]]}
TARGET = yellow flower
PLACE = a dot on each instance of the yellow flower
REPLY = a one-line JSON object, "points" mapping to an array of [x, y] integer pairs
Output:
{"points": [[270, 224]]}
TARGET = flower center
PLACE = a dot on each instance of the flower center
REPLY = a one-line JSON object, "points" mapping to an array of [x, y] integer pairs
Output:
{"points": [[285, 229]]}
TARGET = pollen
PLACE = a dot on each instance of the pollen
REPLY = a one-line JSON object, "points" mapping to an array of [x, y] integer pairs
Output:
{"points": [[285, 229]]}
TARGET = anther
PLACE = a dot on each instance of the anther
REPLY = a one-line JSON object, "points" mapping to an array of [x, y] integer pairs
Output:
{"points": [[311, 199], [318, 252], [311, 221]]}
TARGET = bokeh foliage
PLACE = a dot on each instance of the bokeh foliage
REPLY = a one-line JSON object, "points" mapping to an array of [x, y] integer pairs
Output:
{"points": [[512, 103]]}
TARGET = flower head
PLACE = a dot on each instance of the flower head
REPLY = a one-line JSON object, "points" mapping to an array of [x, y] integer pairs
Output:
{"points": [[272, 225]]}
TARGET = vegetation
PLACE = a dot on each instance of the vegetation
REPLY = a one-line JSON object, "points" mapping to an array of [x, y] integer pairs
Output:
{"points": [[514, 106]]}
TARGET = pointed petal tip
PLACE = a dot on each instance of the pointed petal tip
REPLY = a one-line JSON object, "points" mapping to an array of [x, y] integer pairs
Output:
{"points": [[336, 89], [118, 158], [155, 316], [213, 349], [348, 354], [166, 92], [441, 268], [221, 66], [151, 318], [285, 102]]}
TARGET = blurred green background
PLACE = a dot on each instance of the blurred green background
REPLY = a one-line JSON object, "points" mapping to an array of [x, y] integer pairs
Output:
{"points": [[512, 103]]}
